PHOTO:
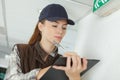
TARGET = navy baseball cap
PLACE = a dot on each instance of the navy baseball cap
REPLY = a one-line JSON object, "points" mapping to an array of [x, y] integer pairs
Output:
{"points": [[54, 12]]}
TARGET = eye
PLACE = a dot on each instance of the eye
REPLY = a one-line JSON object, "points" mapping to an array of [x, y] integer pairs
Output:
{"points": [[54, 25], [64, 28]]}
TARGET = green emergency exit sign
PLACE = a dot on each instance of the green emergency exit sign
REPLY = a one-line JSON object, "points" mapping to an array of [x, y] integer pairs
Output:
{"points": [[98, 3]]}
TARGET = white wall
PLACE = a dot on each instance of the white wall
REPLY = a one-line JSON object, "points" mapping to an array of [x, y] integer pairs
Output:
{"points": [[99, 38], [1, 15], [22, 18]]}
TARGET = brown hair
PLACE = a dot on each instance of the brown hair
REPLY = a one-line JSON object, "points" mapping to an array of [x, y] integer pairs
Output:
{"points": [[36, 36]]}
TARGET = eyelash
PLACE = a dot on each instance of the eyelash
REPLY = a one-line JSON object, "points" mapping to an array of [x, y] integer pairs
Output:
{"points": [[62, 27], [54, 26]]}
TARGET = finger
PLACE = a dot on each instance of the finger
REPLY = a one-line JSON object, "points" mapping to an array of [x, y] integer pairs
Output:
{"points": [[84, 66], [75, 62], [69, 54], [59, 67], [79, 62], [66, 55], [68, 64]]}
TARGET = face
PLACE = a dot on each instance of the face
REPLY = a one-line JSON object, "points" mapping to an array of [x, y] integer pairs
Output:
{"points": [[53, 31]]}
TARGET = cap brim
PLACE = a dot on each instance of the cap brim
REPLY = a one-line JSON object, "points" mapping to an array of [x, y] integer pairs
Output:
{"points": [[71, 22]]}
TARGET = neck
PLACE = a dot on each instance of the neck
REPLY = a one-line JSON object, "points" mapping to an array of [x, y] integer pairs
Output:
{"points": [[47, 46]]}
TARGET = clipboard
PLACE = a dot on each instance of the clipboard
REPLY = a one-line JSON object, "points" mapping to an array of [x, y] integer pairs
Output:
{"points": [[54, 74]]}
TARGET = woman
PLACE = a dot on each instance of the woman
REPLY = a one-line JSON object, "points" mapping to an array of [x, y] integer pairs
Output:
{"points": [[30, 61]]}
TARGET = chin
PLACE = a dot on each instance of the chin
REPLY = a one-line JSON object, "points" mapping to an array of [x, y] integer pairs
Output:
{"points": [[58, 41]]}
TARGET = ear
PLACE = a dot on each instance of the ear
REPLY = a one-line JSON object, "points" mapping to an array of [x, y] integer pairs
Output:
{"points": [[40, 26]]}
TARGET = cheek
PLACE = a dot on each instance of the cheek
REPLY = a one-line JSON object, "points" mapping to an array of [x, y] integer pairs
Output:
{"points": [[49, 33], [64, 33]]}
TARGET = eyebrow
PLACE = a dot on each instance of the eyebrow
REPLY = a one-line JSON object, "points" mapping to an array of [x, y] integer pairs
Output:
{"points": [[58, 22]]}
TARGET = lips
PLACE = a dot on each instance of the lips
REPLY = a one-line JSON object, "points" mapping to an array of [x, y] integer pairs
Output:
{"points": [[58, 37]]}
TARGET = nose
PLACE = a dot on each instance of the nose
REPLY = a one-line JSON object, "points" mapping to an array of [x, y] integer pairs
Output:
{"points": [[60, 30]]}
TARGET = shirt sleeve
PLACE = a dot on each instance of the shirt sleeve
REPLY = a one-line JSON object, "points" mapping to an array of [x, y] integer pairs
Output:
{"points": [[14, 71]]}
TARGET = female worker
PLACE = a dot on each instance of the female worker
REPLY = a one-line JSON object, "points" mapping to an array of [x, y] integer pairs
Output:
{"points": [[31, 61]]}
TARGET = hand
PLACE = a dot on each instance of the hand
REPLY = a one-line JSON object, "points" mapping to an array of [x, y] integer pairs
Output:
{"points": [[42, 72], [73, 72]]}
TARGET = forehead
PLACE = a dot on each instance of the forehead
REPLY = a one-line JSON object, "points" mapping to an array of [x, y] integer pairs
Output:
{"points": [[63, 21]]}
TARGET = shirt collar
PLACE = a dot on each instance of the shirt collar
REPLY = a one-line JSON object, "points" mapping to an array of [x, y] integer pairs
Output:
{"points": [[42, 53]]}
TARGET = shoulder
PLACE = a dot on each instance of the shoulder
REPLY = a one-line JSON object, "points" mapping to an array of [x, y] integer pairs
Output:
{"points": [[21, 49], [20, 46]]}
